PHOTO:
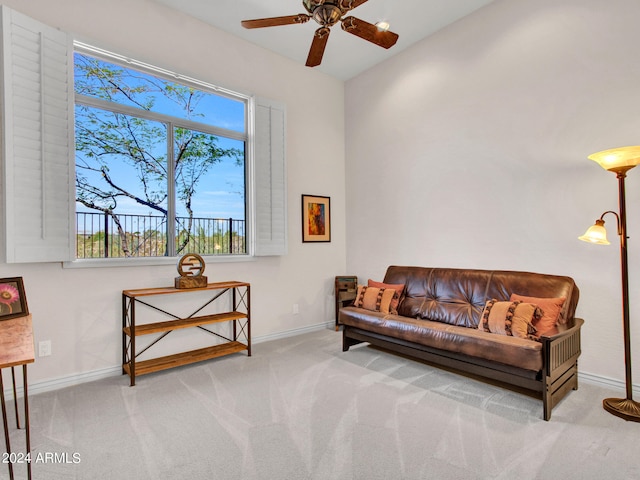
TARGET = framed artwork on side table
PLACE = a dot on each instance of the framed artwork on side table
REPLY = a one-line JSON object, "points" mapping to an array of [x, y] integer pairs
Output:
{"points": [[13, 302], [316, 218]]}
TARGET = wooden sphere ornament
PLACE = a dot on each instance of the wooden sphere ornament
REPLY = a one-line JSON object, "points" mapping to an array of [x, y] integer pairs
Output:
{"points": [[191, 267]]}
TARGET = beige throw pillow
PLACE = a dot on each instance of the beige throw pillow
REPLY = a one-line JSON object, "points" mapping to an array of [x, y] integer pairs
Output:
{"points": [[510, 318], [375, 299], [398, 287]]}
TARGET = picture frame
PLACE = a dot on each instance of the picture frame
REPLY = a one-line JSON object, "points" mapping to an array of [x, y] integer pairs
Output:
{"points": [[13, 301], [316, 218]]}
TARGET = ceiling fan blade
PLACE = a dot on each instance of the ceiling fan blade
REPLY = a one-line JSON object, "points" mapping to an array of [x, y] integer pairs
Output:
{"points": [[276, 21], [351, 4], [317, 47], [369, 32]]}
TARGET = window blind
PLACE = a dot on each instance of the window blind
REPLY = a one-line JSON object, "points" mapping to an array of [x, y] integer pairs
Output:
{"points": [[270, 178], [37, 141]]}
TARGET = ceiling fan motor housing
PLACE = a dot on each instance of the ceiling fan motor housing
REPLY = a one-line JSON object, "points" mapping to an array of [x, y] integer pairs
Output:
{"points": [[327, 12]]}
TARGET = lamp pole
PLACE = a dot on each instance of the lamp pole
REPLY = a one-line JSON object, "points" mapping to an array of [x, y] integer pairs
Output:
{"points": [[619, 161], [625, 408]]}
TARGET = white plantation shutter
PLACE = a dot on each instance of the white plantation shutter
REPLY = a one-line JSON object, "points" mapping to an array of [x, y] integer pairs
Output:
{"points": [[37, 185], [270, 178]]}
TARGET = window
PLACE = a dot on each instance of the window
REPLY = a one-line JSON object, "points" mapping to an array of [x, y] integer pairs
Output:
{"points": [[148, 149], [128, 146]]}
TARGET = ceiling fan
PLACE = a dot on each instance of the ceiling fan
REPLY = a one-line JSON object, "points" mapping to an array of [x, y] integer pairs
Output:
{"points": [[327, 13]]}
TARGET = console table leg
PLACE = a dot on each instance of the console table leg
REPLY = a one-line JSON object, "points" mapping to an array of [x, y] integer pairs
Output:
{"points": [[15, 397], [7, 442], [26, 417]]}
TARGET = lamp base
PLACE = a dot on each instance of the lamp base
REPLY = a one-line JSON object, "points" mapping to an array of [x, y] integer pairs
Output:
{"points": [[623, 408]]}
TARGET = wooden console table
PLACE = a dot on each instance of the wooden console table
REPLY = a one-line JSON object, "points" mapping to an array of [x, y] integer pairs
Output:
{"points": [[16, 348], [240, 316]]}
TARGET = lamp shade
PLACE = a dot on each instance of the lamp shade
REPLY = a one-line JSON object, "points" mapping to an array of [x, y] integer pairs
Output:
{"points": [[596, 234], [617, 159]]}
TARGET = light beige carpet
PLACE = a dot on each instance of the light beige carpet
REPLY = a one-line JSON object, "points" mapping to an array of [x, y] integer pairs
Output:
{"points": [[300, 408]]}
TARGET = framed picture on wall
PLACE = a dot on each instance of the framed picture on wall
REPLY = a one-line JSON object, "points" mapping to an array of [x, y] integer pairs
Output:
{"points": [[316, 218], [13, 302]]}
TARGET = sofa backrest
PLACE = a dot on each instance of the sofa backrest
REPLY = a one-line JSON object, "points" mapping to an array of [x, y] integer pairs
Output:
{"points": [[458, 296]]}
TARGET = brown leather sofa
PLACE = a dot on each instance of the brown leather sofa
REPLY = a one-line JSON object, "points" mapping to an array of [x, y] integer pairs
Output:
{"points": [[437, 322]]}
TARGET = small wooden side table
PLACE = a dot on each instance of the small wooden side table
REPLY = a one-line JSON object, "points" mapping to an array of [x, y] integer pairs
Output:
{"points": [[16, 348], [345, 291]]}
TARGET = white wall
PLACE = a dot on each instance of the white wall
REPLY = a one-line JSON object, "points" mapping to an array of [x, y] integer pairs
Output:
{"points": [[80, 309], [469, 150]]}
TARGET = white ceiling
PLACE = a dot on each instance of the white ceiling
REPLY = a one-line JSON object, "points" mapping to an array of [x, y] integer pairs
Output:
{"points": [[346, 55]]}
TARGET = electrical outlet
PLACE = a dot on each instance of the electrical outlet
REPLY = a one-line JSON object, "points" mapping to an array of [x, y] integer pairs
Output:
{"points": [[44, 348], [295, 310]]}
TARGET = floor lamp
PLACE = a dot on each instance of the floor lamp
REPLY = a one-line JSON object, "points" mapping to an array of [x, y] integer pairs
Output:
{"points": [[619, 161]]}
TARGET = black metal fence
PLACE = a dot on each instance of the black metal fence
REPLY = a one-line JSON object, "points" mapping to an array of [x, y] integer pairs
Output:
{"points": [[100, 235]]}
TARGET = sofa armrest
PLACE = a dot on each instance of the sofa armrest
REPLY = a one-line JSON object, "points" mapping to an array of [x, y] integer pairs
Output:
{"points": [[561, 349], [562, 330]]}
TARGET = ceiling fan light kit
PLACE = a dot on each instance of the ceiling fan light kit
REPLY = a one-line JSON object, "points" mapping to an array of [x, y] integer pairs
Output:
{"points": [[383, 26], [327, 13]]}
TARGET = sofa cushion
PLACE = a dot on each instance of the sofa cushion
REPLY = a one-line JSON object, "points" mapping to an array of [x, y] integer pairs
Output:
{"points": [[508, 350], [456, 297], [510, 318]]}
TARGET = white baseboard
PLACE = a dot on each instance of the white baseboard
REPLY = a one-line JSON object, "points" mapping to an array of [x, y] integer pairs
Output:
{"points": [[77, 379], [294, 332], [607, 382], [63, 382]]}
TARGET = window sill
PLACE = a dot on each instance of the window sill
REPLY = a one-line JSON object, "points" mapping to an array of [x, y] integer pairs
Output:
{"points": [[149, 261]]}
